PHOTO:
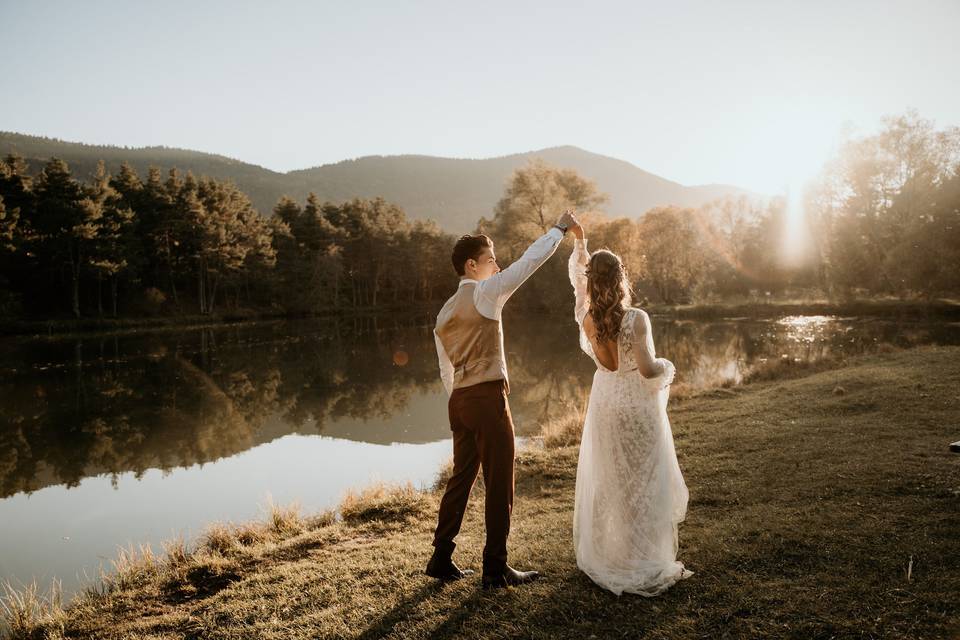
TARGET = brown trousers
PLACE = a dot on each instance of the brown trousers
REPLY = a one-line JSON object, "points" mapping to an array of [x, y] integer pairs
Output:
{"points": [[482, 438]]}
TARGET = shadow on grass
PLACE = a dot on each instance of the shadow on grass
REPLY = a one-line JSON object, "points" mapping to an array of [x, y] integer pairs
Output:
{"points": [[463, 610], [479, 605]]}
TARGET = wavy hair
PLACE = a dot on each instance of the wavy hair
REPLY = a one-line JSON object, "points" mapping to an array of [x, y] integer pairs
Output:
{"points": [[609, 290]]}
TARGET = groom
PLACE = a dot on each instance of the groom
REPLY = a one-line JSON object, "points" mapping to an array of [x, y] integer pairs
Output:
{"points": [[469, 338]]}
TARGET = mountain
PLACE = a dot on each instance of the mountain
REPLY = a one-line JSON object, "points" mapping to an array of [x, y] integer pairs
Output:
{"points": [[454, 192]]}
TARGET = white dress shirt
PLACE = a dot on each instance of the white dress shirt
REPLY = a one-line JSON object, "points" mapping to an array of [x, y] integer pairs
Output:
{"points": [[491, 294]]}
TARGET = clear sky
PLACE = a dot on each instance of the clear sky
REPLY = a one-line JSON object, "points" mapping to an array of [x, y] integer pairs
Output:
{"points": [[754, 94]]}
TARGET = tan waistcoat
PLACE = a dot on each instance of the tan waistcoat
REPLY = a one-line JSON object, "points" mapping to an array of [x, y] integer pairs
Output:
{"points": [[473, 342]]}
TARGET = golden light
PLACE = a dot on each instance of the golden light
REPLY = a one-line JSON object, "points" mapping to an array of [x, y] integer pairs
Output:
{"points": [[806, 329], [777, 149], [798, 148], [796, 238]]}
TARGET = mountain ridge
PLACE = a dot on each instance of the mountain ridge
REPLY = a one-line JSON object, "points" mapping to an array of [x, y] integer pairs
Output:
{"points": [[455, 192]]}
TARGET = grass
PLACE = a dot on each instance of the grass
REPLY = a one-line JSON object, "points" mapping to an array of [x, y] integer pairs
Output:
{"points": [[933, 309], [382, 502], [564, 431], [26, 610], [813, 514]]}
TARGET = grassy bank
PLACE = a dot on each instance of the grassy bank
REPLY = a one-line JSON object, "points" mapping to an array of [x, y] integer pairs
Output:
{"points": [[933, 310], [65, 327], [825, 506]]}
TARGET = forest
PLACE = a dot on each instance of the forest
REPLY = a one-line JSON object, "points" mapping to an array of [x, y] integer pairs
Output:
{"points": [[881, 220]]}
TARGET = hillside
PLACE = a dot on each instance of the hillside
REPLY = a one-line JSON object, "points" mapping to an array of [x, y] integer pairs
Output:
{"points": [[454, 192]]}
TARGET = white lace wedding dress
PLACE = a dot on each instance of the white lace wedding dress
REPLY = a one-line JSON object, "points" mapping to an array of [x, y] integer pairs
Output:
{"points": [[630, 493]]}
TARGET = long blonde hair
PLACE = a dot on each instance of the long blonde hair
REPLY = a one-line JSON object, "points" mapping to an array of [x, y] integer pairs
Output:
{"points": [[609, 290]]}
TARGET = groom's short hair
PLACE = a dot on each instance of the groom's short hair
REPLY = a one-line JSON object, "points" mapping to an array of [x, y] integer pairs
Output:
{"points": [[467, 248]]}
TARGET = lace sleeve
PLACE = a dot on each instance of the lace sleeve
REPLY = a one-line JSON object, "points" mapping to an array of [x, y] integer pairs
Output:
{"points": [[628, 331], [666, 375], [658, 372], [577, 270]]}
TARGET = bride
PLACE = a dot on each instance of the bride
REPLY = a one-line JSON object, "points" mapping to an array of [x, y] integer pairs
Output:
{"points": [[630, 493]]}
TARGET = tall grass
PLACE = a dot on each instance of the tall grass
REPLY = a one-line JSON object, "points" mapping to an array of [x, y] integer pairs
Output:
{"points": [[384, 502], [284, 520], [566, 430], [25, 611], [181, 571]]}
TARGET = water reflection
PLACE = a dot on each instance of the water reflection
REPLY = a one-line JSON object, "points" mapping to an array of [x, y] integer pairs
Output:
{"points": [[806, 328], [710, 354], [73, 409], [79, 408], [201, 423], [71, 533]]}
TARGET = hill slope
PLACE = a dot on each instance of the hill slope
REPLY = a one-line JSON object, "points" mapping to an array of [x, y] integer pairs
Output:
{"points": [[454, 192]]}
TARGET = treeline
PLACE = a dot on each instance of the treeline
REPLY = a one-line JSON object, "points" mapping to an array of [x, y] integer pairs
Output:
{"points": [[121, 245], [886, 212], [730, 249], [883, 219]]}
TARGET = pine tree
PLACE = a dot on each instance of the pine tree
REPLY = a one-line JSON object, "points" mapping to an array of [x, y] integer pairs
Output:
{"points": [[66, 224], [8, 227], [116, 248]]}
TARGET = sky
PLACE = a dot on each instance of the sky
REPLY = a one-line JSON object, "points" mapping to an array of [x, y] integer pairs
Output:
{"points": [[753, 94]]}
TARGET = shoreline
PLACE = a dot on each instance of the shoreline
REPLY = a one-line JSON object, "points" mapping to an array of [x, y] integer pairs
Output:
{"points": [[900, 309], [66, 327], [832, 478]]}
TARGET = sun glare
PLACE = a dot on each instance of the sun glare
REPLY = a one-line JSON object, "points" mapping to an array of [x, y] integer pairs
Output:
{"points": [[805, 145], [796, 231]]}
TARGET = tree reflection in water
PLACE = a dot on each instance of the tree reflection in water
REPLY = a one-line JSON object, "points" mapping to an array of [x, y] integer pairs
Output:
{"points": [[74, 408]]}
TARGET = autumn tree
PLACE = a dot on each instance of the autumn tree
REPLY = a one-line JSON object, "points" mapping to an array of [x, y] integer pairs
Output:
{"points": [[877, 200], [672, 247], [534, 198]]}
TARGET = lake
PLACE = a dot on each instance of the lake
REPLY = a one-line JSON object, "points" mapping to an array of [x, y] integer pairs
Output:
{"points": [[112, 440]]}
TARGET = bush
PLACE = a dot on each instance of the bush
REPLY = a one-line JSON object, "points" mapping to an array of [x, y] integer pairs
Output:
{"points": [[152, 300]]}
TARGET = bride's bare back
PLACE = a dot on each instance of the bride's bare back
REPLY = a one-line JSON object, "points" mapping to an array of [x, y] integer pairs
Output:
{"points": [[606, 351]]}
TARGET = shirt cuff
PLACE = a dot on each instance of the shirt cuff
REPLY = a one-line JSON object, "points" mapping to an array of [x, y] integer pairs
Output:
{"points": [[555, 233]]}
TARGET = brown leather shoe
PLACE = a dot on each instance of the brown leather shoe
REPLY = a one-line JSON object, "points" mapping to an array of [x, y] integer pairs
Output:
{"points": [[508, 577], [445, 569]]}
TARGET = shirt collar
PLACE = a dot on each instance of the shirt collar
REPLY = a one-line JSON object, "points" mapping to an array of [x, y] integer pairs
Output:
{"points": [[464, 281]]}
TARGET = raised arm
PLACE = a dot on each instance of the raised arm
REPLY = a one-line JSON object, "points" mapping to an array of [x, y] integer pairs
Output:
{"points": [[494, 292], [577, 270]]}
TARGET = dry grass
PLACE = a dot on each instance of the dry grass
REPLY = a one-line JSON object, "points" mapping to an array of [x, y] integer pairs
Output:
{"points": [[382, 502], [223, 553], [813, 514], [562, 432], [943, 309], [443, 476], [29, 612], [131, 566], [284, 520], [787, 368], [566, 430]]}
